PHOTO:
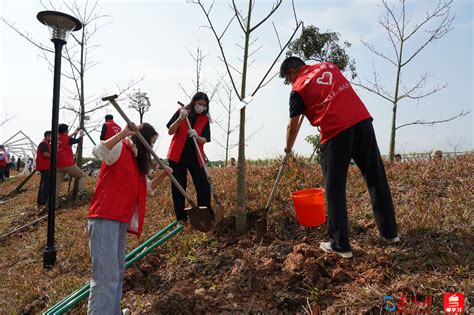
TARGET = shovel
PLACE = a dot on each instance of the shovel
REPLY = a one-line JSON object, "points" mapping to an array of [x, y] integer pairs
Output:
{"points": [[218, 209], [199, 217], [261, 224]]}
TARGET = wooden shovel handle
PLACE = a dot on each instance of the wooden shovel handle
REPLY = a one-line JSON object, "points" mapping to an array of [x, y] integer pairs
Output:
{"points": [[111, 99], [281, 171]]}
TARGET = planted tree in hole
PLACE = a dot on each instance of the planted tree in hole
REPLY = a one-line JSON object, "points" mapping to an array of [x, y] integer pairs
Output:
{"points": [[244, 22]]}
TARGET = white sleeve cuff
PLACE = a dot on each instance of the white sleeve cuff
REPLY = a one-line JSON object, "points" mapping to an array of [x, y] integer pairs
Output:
{"points": [[101, 152], [149, 190]]}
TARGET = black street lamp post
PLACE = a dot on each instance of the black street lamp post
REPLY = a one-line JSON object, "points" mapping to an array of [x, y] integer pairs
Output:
{"points": [[60, 25]]}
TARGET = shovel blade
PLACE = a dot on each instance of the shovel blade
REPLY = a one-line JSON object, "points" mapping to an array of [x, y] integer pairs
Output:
{"points": [[200, 218], [218, 213], [261, 228]]}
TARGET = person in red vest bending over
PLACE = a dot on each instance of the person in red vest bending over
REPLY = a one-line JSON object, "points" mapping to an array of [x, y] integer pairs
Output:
{"points": [[327, 99], [66, 164], [182, 155], [109, 128], [43, 153], [117, 207]]}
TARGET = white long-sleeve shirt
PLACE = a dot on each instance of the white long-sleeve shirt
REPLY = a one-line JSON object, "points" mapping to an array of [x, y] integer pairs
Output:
{"points": [[101, 152]]}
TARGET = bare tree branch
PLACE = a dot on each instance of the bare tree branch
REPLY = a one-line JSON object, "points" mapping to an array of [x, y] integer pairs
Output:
{"points": [[269, 80], [294, 12], [420, 85], [374, 87], [434, 122], [255, 51], [372, 49], [184, 91], [442, 9], [225, 29], [26, 36], [390, 34], [433, 91], [277, 58], [211, 25], [231, 66], [372, 90], [274, 8], [239, 16], [395, 20], [250, 137], [253, 41], [276, 33], [436, 34]]}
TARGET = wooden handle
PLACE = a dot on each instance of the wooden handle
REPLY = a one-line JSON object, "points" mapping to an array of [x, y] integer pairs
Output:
{"points": [[150, 149], [282, 169]]}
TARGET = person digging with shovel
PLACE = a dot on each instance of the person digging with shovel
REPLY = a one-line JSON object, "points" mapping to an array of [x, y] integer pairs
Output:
{"points": [[182, 155], [327, 99], [117, 207]]}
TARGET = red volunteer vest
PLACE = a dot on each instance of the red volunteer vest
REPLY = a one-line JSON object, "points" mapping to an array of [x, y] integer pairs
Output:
{"points": [[179, 138], [3, 159], [120, 192], [112, 129], [42, 163], [65, 155], [330, 101]]}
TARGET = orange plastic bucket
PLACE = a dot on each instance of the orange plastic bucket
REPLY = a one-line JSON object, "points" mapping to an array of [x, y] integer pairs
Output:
{"points": [[309, 206]]}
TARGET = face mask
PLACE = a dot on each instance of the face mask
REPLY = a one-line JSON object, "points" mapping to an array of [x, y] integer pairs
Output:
{"points": [[199, 109]]}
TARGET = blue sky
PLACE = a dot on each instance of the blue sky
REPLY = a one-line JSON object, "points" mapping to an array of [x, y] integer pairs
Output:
{"points": [[150, 39]]}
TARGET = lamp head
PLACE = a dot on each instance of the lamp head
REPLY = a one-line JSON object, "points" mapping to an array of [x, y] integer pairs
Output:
{"points": [[59, 24]]}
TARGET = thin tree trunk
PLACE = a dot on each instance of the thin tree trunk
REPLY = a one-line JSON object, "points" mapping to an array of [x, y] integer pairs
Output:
{"points": [[241, 214], [227, 137], [80, 145], [394, 108]]}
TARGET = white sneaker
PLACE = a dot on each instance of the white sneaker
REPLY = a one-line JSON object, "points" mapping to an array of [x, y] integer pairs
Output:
{"points": [[394, 240], [326, 246], [126, 311]]}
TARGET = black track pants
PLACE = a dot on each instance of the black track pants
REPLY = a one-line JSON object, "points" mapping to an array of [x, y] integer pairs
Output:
{"points": [[357, 142], [200, 183]]}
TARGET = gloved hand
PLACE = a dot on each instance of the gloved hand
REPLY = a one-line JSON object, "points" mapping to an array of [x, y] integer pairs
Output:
{"points": [[192, 133], [168, 170], [183, 114]]}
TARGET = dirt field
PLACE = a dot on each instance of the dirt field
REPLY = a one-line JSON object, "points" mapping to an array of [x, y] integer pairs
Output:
{"points": [[286, 273]]}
